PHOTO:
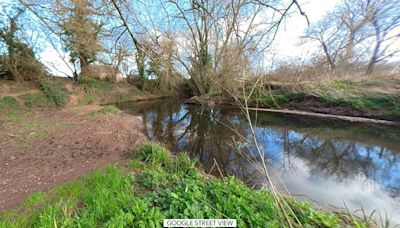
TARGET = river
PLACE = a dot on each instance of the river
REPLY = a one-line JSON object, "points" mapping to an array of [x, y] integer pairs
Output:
{"points": [[327, 163]]}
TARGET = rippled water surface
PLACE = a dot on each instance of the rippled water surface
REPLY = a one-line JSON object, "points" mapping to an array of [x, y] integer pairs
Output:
{"points": [[327, 162]]}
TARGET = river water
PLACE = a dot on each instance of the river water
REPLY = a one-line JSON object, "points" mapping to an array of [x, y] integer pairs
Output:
{"points": [[327, 163]]}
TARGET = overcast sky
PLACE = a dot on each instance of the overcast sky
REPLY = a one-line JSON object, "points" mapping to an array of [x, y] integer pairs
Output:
{"points": [[285, 44]]}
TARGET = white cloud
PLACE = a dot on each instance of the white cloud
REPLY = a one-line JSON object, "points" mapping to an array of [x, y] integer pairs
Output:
{"points": [[58, 62]]}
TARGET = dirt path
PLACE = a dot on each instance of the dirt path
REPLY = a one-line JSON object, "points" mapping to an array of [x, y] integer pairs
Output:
{"points": [[17, 94], [42, 149]]}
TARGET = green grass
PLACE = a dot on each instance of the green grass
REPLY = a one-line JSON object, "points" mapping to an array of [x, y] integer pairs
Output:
{"points": [[105, 92], [18, 87], [151, 188], [396, 111], [37, 100], [8, 103], [276, 98], [358, 96], [16, 118], [110, 110], [90, 83], [340, 84], [88, 98], [124, 96], [96, 96], [151, 154], [377, 96], [55, 91]]}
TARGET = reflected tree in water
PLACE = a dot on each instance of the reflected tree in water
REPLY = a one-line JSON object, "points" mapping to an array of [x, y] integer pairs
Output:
{"points": [[211, 134]]}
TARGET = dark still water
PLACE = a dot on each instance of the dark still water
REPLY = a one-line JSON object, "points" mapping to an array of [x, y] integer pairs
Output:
{"points": [[330, 163]]}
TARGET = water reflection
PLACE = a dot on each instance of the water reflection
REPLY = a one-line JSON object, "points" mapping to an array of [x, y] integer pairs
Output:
{"points": [[330, 163]]}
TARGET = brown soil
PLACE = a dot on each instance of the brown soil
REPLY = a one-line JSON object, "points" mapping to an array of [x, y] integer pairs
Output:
{"points": [[17, 94], [71, 143]]}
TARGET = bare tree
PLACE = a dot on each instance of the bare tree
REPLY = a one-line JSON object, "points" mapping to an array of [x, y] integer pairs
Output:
{"points": [[354, 15], [330, 36], [216, 32], [351, 26], [385, 22]]}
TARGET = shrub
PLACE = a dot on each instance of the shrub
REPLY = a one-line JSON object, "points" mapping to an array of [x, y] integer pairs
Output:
{"points": [[37, 100], [22, 65], [91, 83], [55, 91], [153, 178], [8, 103], [183, 164]]}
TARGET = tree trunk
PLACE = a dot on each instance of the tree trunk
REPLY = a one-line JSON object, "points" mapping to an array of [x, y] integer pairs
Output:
{"points": [[374, 57], [371, 65], [328, 57], [84, 64], [140, 63]]}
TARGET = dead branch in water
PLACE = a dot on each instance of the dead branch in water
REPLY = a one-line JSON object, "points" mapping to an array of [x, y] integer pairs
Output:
{"points": [[352, 119]]}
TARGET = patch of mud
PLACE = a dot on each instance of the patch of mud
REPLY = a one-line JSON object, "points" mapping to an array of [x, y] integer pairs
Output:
{"points": [[68, 153], [3, 87]]}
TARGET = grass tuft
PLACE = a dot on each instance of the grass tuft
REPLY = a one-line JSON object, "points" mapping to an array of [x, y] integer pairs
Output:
{"points": [[110, 110], [37, 100], [88, 98], [152, 153], [276, 98], [184, 164], [8, 103], [90, 83], [16, 118]]}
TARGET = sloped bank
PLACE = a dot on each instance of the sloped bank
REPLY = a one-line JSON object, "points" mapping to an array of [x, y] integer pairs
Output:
{"points": [[377, 98], [294, 108], [54, 92], [155, 186], [40, 149], [367, 99]]}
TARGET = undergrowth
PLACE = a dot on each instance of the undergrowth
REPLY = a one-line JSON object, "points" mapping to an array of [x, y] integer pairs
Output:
{"points": [[88, 98], [105, 92], [55, 91], [90, 83], [110, 110], [37, 100], [8, 103], [154, 187], [275, 98], [370, 96]]}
